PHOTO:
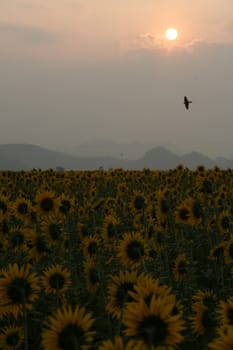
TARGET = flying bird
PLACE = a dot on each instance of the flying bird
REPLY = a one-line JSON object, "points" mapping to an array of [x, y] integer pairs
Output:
{"points": [[186, 102]]}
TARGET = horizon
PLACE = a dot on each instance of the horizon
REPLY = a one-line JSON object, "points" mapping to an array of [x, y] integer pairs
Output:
{"points": [[124, 151]]}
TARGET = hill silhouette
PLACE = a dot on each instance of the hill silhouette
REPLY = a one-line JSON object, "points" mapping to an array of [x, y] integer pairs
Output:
{"points": [[29, 156]]}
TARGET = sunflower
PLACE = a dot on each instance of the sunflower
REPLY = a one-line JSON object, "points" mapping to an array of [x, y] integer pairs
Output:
{"points": [[17, 239], [204, 317], [90, 246], [182, 213], [56, 280], [66, 204], [153, 326], [146, 286], [5, 206], [180, 268], [68, 329], [163, 205], [3, 243], [38, 244], [228, 251], [224, 222], [219, 201], [196, 210], [92, 277], [11, 338], [206, 298], [46, 203], [110, 230], [225, 312], [21, 209], [189, 211], [138, 202], [132, 249], [53, 229], [117, 344], [224, 340], [118, 292], [217, 251], [18, 287]]}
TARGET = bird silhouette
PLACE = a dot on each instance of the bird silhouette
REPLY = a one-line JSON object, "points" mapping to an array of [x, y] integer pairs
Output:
{"points": [[186, 102]]}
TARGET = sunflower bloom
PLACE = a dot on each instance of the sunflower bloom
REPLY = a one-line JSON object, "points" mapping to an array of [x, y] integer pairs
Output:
{"points": [[92, 275], [180, 268], [132, 249], [118, 292], [18, 287], [11, 338], [117, 344], [46, 203], [56, 280], [154, 326], [224, 340], [225, 312], [68, 329]]}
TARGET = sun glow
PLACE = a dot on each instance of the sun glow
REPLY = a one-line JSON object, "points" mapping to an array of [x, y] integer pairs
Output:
{"points": [[171, 34]]}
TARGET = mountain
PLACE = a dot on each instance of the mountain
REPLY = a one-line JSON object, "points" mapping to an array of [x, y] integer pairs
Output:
{"points": [[111, 148], [27, 156]]}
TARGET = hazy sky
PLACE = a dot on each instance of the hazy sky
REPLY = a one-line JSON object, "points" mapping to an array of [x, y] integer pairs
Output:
{"points": [[76, 70]]}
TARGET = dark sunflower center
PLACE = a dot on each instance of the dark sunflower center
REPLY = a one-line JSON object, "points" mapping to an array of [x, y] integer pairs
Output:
{"points": [[92, 248], [152, 253], [153, 330], [139, 202], [55, 231], [182, 268], [122, 295], [57, 280], [184, 213], [65, 206], [47, 204], [19, 289], [151, 232], [111, 230], [230, 315], [17, 239], [160, 237], [3, 207], [70, 337], [135, 250], [94, 276], [219, 202], [208, 320], [231, 250], [164, 206], [84, 230], [22, 208], [218, 252], [207, 186], [41, 245], [209, 302], [12, 339], [225, 222], [197, 210]]}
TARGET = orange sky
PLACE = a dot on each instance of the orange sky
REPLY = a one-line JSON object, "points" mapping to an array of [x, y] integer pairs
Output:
{"points": [[94, 28]]}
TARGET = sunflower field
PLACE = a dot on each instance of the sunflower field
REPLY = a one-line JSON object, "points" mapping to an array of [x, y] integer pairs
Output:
{"points": [[116, 259]]}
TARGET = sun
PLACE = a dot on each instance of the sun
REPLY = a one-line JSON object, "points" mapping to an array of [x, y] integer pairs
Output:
{"points": [[171, 34]]}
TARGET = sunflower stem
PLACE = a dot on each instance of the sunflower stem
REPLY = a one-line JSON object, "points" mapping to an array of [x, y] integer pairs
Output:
{"points": [[25, 322], [143, 262]]}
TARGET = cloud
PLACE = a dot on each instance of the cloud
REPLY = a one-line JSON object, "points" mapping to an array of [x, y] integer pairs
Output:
{"points": [[154, 43], [28, 34]]}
